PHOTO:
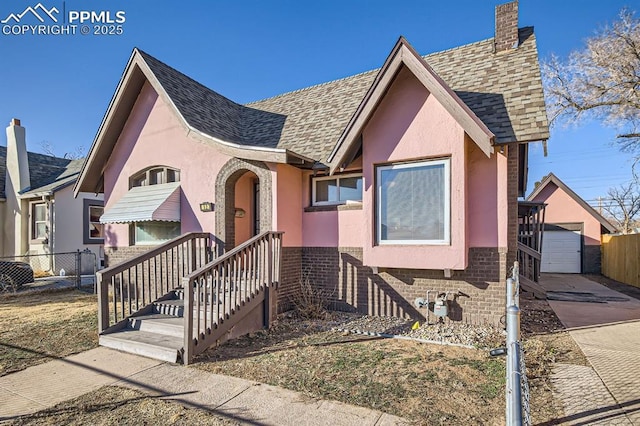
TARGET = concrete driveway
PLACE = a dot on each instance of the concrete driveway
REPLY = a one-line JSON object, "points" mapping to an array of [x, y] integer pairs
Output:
{"points": [[609, 336], [584, 314]]}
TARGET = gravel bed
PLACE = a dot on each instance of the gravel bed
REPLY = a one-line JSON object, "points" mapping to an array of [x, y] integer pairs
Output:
{"points": [[480, 336]]}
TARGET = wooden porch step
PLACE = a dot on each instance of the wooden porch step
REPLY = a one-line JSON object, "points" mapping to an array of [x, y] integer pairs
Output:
{"points": [[145, 343], [158, 323], [173, 307]]}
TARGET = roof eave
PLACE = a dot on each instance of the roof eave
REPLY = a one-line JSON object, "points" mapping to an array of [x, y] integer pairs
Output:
{"points": [[107, 119], [551, 178], [130, 80], [403, 54]]}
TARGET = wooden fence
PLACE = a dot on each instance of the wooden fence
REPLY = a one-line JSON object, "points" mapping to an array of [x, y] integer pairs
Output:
{"points": [[620, 256]]}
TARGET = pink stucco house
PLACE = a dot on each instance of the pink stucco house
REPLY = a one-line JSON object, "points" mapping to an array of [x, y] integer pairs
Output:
{"points": [[572, 229], [385, 184]]}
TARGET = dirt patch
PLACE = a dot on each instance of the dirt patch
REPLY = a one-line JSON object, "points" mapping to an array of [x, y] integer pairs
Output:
{"points": [[121, 406], [429, 384], [38, 327], [623, 288]]}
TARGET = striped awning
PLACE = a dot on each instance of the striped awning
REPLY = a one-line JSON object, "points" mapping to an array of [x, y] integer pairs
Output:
{"points": [[146, 203]]}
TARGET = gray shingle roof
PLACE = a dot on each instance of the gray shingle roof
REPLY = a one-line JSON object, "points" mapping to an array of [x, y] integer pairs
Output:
{"points": [[212, 113], [57, 179], [45, 172], [504, 90]]}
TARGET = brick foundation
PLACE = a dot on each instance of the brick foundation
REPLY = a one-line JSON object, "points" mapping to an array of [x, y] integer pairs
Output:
{"points": [[477, 294], [290, 277], [115, 255]]}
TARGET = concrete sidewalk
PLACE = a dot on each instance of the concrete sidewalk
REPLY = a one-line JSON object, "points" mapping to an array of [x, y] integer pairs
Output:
{"points": [[46, 385], [608, 391]]}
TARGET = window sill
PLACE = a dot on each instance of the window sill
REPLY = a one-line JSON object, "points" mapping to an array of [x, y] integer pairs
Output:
{"points": [[94, 241], [333, 207]]}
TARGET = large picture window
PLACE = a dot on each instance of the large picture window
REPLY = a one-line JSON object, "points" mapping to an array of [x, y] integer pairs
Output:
{"points": [[414, 203], [337, 189]]}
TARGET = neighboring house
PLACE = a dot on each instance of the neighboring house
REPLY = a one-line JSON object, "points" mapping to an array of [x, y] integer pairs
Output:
{"points": [[38, 211], [386, 184], [572, 230]]}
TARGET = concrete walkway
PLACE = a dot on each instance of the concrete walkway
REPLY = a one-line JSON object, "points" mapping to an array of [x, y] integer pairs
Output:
{"points": [[46, 385], [608, 391]]}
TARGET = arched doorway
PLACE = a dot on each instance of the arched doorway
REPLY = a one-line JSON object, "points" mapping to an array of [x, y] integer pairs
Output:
{"points": [[243, 202]]}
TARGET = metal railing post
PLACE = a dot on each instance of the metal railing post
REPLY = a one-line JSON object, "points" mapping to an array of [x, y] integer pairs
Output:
{"points": [[514, 390], [78, 269]]}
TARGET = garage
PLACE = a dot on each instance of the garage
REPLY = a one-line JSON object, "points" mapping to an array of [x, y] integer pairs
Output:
{"points": [[561, 252]]}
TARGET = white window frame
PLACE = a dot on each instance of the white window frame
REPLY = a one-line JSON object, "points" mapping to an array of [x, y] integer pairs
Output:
{"points": [[337, 178], [33, 222], [447, 201]]}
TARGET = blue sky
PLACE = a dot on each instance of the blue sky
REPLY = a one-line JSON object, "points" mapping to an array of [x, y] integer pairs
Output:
{"points": [[60, 85]]}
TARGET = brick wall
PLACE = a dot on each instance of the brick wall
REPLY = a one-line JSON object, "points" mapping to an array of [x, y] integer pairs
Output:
{"points": [[477, 294], [291, 273], [115, 255]]}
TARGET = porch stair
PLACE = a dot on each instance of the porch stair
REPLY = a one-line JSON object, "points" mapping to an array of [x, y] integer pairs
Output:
{"points": [[158, 334], [143, 309]]}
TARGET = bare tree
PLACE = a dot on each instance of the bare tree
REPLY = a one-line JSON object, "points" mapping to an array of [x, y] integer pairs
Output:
{"points": [[623, 206], [77, 153], [601, 81]]}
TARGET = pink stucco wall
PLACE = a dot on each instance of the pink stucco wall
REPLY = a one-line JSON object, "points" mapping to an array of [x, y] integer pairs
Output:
{"points": [[154, 136], [561, 208], [287, 214], [486, 198], [337, 228], [411, 124]]}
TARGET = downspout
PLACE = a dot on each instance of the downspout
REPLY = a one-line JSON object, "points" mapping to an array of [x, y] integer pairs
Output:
{"points": [[50, 208]]}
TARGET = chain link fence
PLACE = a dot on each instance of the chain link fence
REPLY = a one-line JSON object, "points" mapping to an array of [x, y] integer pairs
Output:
{"points": [[518, 409], [37, 270]]}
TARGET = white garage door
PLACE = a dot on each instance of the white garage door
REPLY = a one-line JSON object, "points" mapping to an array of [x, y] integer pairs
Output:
{"points": [[561, 252]]}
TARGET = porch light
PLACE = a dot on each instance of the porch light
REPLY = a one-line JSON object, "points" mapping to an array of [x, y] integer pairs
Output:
{"points": [[206, 206]]}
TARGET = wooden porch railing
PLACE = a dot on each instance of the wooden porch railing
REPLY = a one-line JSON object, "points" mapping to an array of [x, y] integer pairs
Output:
{"points": [[529, 270], [232, 285], [529, 260], [125, 288]]}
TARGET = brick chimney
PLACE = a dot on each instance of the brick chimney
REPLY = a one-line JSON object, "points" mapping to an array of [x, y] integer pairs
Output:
{"points": [[506, 26], [17, 161]]}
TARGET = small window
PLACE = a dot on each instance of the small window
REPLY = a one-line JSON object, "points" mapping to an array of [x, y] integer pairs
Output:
{"points": [[149, 233], [413, 203], [93, 229], [96, 230], [337, 189], [39, 228], [155, 176]]}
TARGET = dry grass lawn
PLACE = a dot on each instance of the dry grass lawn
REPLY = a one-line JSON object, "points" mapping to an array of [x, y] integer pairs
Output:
{"points": [[425, 383], [120, 406], [36, 327], [428, 384]]}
